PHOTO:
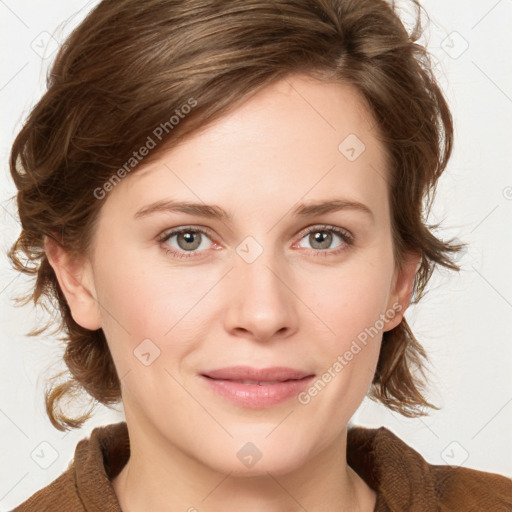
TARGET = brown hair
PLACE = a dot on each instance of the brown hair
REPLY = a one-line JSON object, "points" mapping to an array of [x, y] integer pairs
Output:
{"points": [[130, 65]]}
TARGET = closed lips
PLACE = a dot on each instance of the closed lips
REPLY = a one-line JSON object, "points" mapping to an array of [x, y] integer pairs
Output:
{"points": [[258, 382], [256, 388], [249, 375]]}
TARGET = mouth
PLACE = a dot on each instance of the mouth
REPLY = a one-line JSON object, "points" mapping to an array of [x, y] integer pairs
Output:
{"points": [[256, 388]]}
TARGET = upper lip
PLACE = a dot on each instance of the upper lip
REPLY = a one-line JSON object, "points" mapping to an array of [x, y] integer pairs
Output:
{"points": [[275, 373]]}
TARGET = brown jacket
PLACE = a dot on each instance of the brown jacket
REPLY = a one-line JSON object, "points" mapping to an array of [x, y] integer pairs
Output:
{"points": [[403, 480]]}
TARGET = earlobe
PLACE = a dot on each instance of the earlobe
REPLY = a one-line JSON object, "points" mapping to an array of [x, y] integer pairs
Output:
{"points": [[401, 293], [76, 283]]}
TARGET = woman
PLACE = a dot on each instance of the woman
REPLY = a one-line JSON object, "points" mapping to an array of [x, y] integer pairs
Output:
{"points": [[225, 199]]}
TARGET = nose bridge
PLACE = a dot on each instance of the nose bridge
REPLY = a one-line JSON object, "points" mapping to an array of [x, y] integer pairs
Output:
{"points": [[262, 303]]}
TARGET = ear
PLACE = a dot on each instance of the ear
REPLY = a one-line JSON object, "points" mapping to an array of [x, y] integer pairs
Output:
{"points": [[76, 283], [401, 292]]}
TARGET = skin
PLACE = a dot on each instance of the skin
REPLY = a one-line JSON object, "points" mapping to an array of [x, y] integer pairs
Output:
{"points": [[291, 306]]}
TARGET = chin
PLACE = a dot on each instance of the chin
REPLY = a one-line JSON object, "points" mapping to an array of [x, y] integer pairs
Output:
{"points": [[253, 458], [276, 466]]}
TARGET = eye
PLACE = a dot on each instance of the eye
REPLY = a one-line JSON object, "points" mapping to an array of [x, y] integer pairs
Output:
{"points": [[187, 240], [321, 239]]}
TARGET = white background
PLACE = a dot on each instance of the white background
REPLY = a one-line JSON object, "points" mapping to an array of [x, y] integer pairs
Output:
{"points": [[464, 322]]}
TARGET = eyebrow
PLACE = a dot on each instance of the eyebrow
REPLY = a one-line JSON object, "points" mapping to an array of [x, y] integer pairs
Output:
{"points": [[216, 212]]}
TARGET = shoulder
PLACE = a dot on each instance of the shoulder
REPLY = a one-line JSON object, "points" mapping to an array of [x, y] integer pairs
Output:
{"points": [[476, 490], [404, 480], [59, 495], [86, 483]]}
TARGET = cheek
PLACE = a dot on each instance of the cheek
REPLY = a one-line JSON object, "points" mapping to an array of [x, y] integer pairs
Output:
{"points": [[140, 301], [347, 356], [351, 306], [350, 302]]}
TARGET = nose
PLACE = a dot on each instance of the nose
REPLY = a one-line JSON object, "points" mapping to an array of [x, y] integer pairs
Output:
{"points": [[261, 302]]}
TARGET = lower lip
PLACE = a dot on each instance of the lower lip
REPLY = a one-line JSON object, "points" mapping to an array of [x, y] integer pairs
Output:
{"points": [[255, 396]]}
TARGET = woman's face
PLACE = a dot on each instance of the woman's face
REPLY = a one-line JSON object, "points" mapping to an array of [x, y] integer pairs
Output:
{"points": [[268, 283]]}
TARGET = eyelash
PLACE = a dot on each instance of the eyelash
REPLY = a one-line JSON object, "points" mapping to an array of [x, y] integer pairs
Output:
{"points": [[346, 237]]}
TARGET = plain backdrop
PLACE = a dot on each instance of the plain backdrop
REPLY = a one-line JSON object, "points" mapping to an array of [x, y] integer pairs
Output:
{"points": [[464, 321]]}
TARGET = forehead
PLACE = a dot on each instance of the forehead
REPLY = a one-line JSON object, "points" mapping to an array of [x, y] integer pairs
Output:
{"points": [[297, 138]]}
